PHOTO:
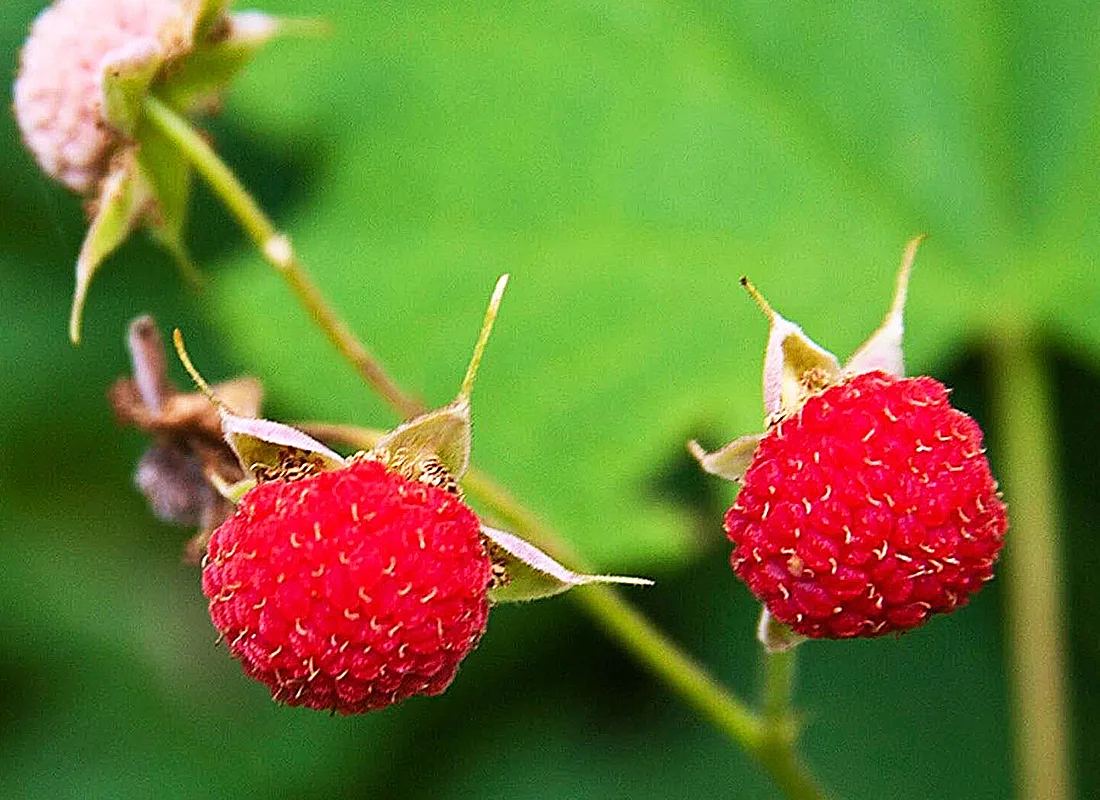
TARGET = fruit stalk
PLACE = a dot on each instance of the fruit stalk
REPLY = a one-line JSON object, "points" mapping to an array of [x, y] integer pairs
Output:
{"points": [[1033, 580], [770, 739], [277, 249]]}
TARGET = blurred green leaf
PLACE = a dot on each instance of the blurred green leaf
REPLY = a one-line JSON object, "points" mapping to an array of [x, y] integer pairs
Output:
{"points": [[627, 167]]}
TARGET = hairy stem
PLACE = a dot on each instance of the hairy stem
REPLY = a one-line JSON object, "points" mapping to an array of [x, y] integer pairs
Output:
{"points": [[1033, 579], [618, 618], [278, 251]]}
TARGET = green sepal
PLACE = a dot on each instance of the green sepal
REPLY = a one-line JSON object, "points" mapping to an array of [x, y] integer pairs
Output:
{"points": [[798, 357], [792, 361], [169, 176], [197, 82], [127, 73], [122, 201], [443, 433], [530, 574], [775, 636], [204, 16], [263, 446], [233, 492], [731, 461]]}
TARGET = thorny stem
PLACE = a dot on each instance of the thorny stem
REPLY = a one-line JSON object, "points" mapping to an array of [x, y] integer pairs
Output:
{"points": [[278, 251], [618, 618], [1033, 583]]}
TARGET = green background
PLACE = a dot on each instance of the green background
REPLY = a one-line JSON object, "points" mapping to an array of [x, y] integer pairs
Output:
{"points": [[626, 162]]}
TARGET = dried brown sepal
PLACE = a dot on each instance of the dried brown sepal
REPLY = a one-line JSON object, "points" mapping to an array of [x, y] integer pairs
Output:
{"points": [[186, 431]]}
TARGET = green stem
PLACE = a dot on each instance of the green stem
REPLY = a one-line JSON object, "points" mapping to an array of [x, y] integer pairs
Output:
{"points": [[684, 675], [781, 728], [1032, 577], [277, 249], [778, 698], [626, 624], [770, 738], [619, 619]]}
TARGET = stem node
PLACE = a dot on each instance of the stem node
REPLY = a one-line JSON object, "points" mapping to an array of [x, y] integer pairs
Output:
{"points": [[279, 252]]}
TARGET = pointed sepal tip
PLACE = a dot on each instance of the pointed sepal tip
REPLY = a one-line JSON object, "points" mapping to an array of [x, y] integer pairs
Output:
{"points": [[793, 363], [483, 336], [120, 204], [262, 447], [883, 349], [731, 461], [531, 574]]}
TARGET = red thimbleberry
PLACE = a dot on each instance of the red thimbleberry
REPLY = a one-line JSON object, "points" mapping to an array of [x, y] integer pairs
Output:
{"points": [[352, 584], [350, 589], [867, 510], [868, 504]]}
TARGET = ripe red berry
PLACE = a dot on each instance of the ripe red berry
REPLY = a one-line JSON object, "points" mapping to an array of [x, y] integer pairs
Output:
{"points": [[868, 509], [350, 589]]}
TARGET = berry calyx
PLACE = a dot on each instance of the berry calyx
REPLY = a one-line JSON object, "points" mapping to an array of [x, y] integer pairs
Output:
{"points": [[866, 511], [350, 589]]}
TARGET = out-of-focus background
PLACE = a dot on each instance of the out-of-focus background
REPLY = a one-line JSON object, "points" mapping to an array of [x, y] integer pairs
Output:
{"points": [[626, 162]]}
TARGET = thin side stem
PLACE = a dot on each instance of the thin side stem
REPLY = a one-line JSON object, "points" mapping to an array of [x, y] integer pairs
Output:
{"points": [[769, 738], [278, 251], [779, 752], [619, 619], [1033, 580], [626, 624], [778, 700], [790, 774]]}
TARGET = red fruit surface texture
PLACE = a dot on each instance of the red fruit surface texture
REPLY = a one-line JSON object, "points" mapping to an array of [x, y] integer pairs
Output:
{"points": [[868, 510], [349, 590]]}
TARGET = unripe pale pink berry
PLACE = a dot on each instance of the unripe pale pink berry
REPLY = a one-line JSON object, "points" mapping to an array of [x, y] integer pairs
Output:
{"points": [[867, 510], [351, 589], [58, 92]]}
